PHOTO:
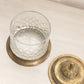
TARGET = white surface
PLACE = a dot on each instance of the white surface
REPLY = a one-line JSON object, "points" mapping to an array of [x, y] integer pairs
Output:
{"points": [[67, 37]]}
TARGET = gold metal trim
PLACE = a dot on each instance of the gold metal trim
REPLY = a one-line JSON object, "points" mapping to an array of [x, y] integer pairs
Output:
{"points": [[72, 76], [27, 62]]}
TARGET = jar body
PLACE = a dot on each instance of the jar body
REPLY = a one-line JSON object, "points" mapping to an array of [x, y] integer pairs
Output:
{"points": [[29, 35]]}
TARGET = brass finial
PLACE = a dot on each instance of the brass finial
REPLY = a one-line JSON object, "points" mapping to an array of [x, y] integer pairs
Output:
{"points": [[70, 69]]}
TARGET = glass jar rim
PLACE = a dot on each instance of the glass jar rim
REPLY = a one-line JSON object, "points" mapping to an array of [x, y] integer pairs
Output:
{"points": [[36, 13]]}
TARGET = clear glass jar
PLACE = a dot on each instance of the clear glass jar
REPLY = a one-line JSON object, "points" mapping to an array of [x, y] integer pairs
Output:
{"points": [[29, 35]]}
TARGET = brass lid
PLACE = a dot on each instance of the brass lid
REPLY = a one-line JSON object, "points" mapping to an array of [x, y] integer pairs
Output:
{"points": [[66, 69]]}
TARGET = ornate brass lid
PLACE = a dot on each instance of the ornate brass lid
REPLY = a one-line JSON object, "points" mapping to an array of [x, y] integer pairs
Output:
{"points": [[66, 69]]}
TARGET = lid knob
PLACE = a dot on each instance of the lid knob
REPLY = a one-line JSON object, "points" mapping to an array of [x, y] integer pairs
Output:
{"points": [[70, 69]]}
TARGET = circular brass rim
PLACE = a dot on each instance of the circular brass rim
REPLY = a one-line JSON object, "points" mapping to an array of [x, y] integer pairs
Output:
{"points": [[27, 62], [52, 73]]}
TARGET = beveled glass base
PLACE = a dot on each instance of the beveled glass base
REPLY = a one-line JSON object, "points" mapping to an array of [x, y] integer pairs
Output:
{"points": [[26, 62]]}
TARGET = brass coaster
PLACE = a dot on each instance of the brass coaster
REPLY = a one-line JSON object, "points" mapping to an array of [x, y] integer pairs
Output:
{"points": [[66, 69], [27, 62]]}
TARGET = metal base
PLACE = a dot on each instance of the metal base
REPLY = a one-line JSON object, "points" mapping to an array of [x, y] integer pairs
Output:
{"points": [[26, 62]]}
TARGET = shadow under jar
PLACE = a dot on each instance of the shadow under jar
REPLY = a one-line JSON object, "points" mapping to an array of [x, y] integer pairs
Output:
{"points": [[29, 38]]}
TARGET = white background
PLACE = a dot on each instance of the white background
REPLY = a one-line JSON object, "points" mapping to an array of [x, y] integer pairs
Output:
{"points": [[67, 37]]}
